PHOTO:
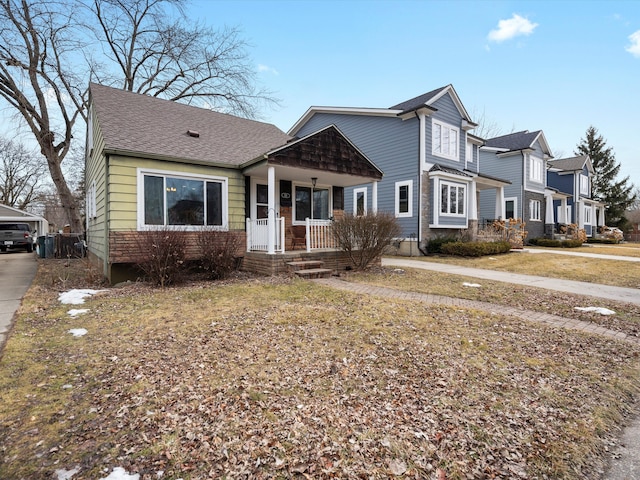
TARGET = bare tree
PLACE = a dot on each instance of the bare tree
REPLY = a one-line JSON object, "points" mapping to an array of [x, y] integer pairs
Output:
{"points": [[20, 175], [47, 56], [37, 46]]}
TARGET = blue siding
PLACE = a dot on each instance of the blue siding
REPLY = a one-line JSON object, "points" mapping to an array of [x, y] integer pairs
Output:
{"points": [[507, 168], [447, 113], [389, 142], [563, 183]]}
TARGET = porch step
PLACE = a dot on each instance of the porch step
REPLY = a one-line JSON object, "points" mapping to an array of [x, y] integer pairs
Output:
{"points": [[310, 269], [314, 273], [305, 264]]}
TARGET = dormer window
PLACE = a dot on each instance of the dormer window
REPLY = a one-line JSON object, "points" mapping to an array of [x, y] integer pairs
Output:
{"points": [[584, 185]]}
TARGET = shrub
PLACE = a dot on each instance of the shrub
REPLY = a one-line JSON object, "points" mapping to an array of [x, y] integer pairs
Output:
{"points": [[475, 249], [434, 245], [548, 242], [162, 255], [610, 241], [365, 237], [219, 252]]}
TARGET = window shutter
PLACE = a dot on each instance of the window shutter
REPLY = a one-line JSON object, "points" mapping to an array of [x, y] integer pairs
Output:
{"points": [[338, 198]]}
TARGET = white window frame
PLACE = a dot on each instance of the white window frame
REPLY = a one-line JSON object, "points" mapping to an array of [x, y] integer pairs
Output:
{"points": [[534, 210], [91, 207], [469, 153], [515, 207], [409, 212], [442, 128], [536, 169], [584, 185], [448, 213], [141, 172], [355, 200], [294, 220], [588, 215]]}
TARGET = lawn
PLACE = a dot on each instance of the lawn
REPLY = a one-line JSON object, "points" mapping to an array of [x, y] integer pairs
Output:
{"points": [[584, 269], [281, 378]]}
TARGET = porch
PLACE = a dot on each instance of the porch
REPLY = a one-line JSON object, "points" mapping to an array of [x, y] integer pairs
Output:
{"points": [[333, 260]]}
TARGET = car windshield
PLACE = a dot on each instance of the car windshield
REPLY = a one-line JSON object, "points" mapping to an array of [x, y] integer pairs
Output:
{"points": [[14, 226]]}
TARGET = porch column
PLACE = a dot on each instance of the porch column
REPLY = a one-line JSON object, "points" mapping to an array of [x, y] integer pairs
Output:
{"points": [[271, 214], [601, 216], [579, 214], [374, 197], [473, 202], [548, 214], [500, 204], [562, 218]]}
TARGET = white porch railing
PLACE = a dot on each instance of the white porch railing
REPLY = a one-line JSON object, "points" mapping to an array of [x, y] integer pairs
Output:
{"points": [[319, 234], [258, 235]]}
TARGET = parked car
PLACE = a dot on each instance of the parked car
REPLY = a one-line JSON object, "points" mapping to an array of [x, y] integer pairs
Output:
{"points": [[16, 235]]}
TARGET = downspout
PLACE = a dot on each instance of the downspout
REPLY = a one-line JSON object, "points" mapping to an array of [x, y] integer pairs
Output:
{"points": [[107, 218]]}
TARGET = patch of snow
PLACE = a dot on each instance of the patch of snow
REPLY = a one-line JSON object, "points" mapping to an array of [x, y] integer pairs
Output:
{"points": [[600, 310], [474, 285], [77, 311], [78, 332], [120, 473], [67, 386], [66, 474], [76, 296]]}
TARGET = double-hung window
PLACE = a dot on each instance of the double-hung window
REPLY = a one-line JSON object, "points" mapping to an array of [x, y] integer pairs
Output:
{"points": [[452, 198], [534, 210], [445, 140], [535, 169], [172, 199], [587, 214], [404, 194], [584, 185], [360, 201]]}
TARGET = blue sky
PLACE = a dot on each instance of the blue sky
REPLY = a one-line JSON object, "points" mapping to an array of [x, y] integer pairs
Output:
{"points": [[556, 66]]}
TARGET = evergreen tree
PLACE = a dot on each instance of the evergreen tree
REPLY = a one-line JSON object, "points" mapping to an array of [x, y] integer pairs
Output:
{"points": [[617, 195]]}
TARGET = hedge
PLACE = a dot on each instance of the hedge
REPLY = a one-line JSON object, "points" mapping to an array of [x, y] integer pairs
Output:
{"points": [[611, 241], [475, 249], [548, 242]]}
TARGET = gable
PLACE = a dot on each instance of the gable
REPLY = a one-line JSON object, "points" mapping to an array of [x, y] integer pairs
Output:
{"points": [[327, 150]]}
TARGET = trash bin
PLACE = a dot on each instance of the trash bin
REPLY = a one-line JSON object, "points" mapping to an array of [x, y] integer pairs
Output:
{"points": [[48, 246], [40, 247]]}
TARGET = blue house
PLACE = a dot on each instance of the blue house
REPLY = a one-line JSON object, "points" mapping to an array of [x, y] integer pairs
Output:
{"points": [[522, 158], [573, 176], [430, 158]]}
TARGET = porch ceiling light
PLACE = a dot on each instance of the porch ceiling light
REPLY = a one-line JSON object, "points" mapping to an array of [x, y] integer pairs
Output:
{"points": [[314, 180]]}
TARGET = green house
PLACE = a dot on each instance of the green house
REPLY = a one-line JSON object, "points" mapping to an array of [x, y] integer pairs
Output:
{"points": [[156, 164]]}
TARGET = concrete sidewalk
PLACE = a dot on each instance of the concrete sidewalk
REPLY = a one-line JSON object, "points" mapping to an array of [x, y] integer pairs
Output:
{"points": [[620, 294]]}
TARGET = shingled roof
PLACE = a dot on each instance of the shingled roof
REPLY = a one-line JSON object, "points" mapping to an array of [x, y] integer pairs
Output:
{"points": [[418, 101], [571, 164], [141, 125], [514, 141]]}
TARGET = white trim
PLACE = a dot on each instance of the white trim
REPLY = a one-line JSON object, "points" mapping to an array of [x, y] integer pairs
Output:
{"points": [[533, 210], [515, 207], [356, 191], [536, 162], [587, 184], [141, 172], [465, 189], [409, 212], [311, 111], [448, 126]]}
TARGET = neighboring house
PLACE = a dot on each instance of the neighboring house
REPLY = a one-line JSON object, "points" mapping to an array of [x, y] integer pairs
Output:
{"points": [[38, 224], [573, 176], [430, 160], [152, 163], [522, 158]]}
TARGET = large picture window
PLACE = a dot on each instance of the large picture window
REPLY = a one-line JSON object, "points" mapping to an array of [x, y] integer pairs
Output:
{"points": [[174, 200], [452, 199], [445, 140]]}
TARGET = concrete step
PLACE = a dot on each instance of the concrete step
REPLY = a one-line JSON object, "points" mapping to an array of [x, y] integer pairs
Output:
{"points": [[314, 273], [305, 264]]}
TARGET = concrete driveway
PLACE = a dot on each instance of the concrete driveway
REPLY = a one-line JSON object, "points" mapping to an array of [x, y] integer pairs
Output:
{"points": [[17, 271]]}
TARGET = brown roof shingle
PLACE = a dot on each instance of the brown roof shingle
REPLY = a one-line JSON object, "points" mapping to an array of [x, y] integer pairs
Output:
{"points": [[149, 126]]}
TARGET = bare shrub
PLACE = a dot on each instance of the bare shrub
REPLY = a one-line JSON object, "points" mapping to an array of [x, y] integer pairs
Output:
{"points": [[364, 237], [162, 255], [219, 252]]}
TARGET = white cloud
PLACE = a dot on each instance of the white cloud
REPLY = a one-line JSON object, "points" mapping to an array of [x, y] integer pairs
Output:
{"points": [[513, 27], [266, 68], [634, 48]]}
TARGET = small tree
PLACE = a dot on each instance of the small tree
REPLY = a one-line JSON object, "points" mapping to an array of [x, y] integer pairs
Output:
{"points": [[20, 175], [365, 237]]}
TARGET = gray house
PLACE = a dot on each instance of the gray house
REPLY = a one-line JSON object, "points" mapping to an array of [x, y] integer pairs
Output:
{"points": [[522, 158], [573, 176], [430, 159]]}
